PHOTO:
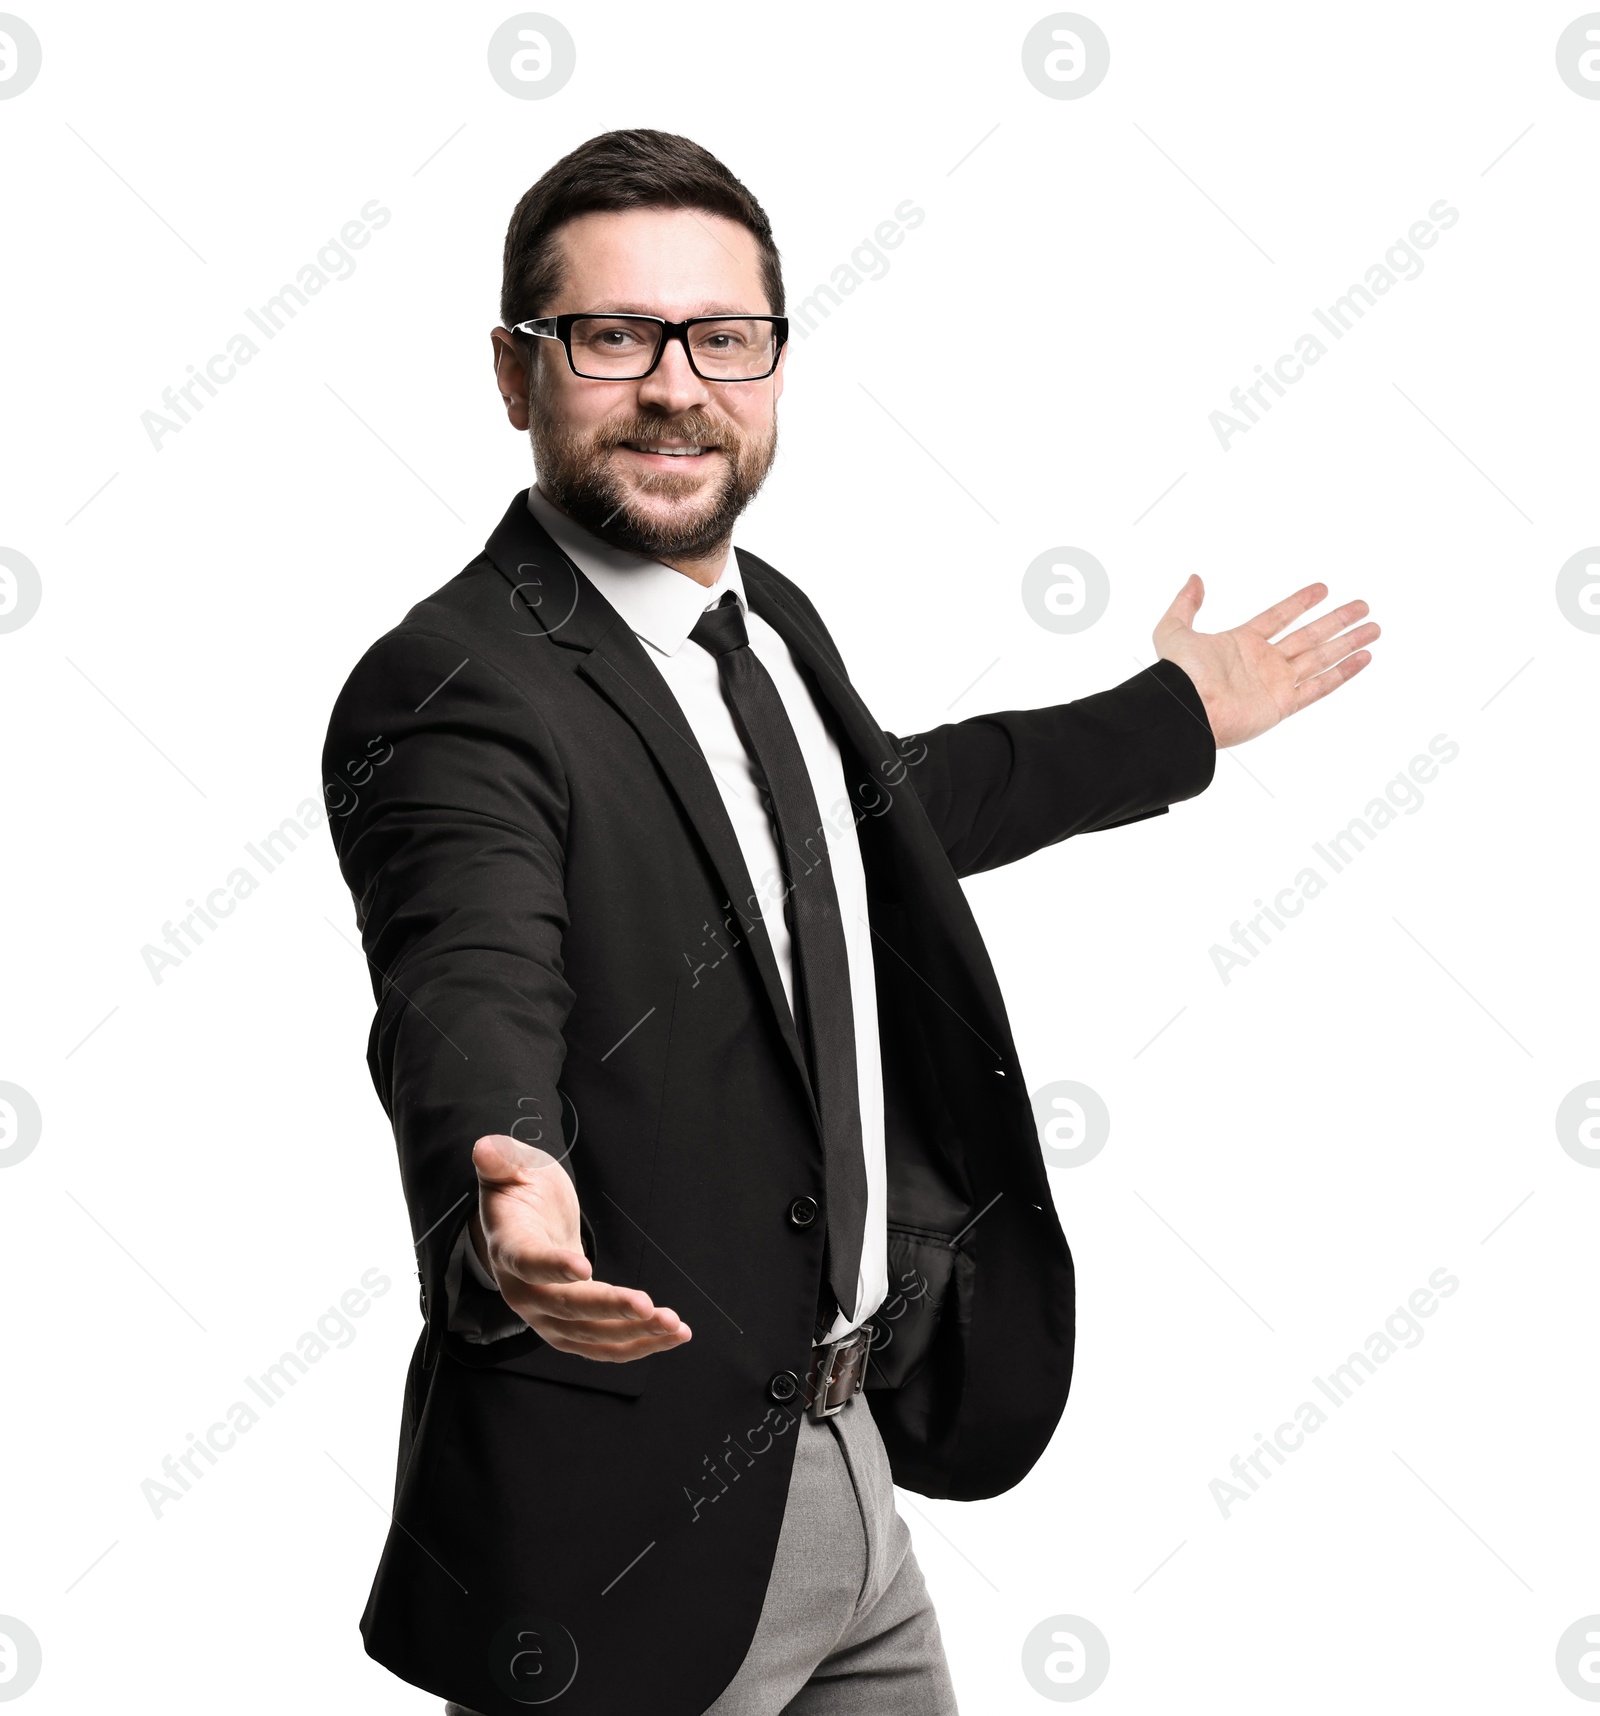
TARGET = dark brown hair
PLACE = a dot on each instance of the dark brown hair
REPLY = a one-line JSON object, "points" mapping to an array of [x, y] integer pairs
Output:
{"points": [[622, 170]]}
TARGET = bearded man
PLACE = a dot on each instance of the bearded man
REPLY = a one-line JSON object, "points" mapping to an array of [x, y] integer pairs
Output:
{"points": [[683, 1018]]}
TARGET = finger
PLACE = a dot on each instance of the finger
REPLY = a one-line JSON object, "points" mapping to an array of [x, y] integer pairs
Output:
{"points": [[589, 1299], [1321, 629], [607, 1331], [1185, 605], [1313, 690], [618, 1352], [1271, 621], [542, 1266], [1314, 661]]}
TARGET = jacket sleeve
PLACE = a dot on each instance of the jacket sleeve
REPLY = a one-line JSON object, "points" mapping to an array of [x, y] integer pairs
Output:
{"points": [[998, 787], [448, 810]]}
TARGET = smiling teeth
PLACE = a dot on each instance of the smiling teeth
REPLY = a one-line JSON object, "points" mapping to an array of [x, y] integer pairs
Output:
{"points": [[674, 452]]}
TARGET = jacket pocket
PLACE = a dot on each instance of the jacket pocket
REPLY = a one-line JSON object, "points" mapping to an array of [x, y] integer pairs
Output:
{"points": [[929, 1282]]}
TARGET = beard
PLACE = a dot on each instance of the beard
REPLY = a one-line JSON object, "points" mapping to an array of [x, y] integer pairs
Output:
{"points": [[577, 472]]}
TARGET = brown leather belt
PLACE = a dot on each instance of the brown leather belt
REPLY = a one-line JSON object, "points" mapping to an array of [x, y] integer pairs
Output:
{"points": [[837, 1372]]}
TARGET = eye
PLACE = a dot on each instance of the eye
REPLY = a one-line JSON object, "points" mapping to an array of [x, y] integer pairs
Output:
{"points": [[611, 337]]}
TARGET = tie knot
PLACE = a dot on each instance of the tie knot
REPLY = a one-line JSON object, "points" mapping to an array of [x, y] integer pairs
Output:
{"points": [[721, 629]]}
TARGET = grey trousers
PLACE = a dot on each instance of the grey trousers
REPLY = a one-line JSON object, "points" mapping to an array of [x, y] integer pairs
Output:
{"points": [[846, 1628]]}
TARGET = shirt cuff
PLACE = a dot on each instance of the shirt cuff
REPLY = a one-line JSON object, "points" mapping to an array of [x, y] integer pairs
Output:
{"points": [[476, 1310], [479, 1273]]}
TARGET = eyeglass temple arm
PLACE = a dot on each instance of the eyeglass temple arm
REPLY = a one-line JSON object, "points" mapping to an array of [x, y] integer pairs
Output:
{"points": [[541, 327]]}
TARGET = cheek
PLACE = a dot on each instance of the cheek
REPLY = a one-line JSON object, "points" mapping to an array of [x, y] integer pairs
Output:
{"points": [[753, 417], [574, 404], [567, 395]]}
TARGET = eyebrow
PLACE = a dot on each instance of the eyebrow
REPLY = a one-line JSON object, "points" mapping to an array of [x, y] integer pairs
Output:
{"points": [[615, 309]]}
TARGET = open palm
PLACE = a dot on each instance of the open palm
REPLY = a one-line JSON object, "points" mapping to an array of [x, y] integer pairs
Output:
{"points": [[1247, 682], [526, 1231]]}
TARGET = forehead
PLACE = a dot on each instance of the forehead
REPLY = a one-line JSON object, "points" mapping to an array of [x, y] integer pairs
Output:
{"points": [[667, 262]]}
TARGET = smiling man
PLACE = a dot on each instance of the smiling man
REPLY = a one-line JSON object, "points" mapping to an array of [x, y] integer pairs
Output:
{"points": [[682, 1017]]}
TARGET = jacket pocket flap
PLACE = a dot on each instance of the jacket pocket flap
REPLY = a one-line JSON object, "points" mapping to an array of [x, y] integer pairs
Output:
{"points": [[527, 1355]]}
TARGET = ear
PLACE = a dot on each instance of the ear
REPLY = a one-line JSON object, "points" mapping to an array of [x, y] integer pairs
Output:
{"points": [[511, 376]]}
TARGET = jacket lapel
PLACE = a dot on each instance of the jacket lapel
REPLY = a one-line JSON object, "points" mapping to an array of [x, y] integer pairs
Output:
{"points": [[867, 739], [571, 612], [621, 670], [886, 769]]}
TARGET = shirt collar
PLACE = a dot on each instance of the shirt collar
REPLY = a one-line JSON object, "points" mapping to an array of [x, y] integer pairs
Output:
{"points": [[659, 603]]}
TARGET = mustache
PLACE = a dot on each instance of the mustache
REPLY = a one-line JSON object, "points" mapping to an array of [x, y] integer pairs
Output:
{"points": [[692, 426]]}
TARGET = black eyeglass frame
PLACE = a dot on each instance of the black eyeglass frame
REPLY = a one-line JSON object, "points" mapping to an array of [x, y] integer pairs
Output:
{"points": [[560, 328]]}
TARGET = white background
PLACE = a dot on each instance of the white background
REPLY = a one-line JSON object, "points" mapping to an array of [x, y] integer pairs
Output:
{"points": [[1290, 1157]]}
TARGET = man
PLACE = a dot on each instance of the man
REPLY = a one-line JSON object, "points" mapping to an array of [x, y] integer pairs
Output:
{"points": [[680, 1004]]}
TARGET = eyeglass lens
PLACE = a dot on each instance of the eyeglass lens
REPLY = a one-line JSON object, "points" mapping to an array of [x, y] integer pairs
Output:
{"points": [[620, 348]]}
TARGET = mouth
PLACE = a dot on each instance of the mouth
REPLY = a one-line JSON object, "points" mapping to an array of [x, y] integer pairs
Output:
{"points": [[683, 456]]}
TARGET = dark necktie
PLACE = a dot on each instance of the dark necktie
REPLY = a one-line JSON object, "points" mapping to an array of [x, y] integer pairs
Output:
{"points": [[824, 1016]]}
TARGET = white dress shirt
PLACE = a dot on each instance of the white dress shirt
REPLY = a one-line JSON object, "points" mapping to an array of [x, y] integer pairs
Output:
{"points": [[661, 605]]}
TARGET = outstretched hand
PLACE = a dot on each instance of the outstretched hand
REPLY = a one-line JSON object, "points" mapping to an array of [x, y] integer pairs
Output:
{"points": [[1248, 683], [525, 1229]]}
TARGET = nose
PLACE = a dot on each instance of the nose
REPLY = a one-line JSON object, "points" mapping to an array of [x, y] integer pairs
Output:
{"points": [[673, 386]]}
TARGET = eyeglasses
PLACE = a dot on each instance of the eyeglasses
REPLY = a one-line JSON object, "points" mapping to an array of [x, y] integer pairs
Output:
{"points": [[628, 348]]}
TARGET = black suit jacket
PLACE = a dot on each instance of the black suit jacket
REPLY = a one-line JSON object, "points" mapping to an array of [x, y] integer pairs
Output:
{"points": [[564, 948]]}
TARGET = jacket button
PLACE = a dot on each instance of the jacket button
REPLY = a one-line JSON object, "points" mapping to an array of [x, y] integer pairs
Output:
{"points": [[784, 1386], [802, 1212]]}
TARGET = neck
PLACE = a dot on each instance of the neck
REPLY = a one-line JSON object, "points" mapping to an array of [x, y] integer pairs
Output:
{"points": [[704, 569]]}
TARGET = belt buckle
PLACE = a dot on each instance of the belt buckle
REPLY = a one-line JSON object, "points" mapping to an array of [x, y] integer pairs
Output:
{"points": [[819, 1408]]}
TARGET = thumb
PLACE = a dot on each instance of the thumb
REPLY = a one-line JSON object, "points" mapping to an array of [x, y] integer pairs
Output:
{"points": [[501, 1160], [543, 1223], [1185, 605]]}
